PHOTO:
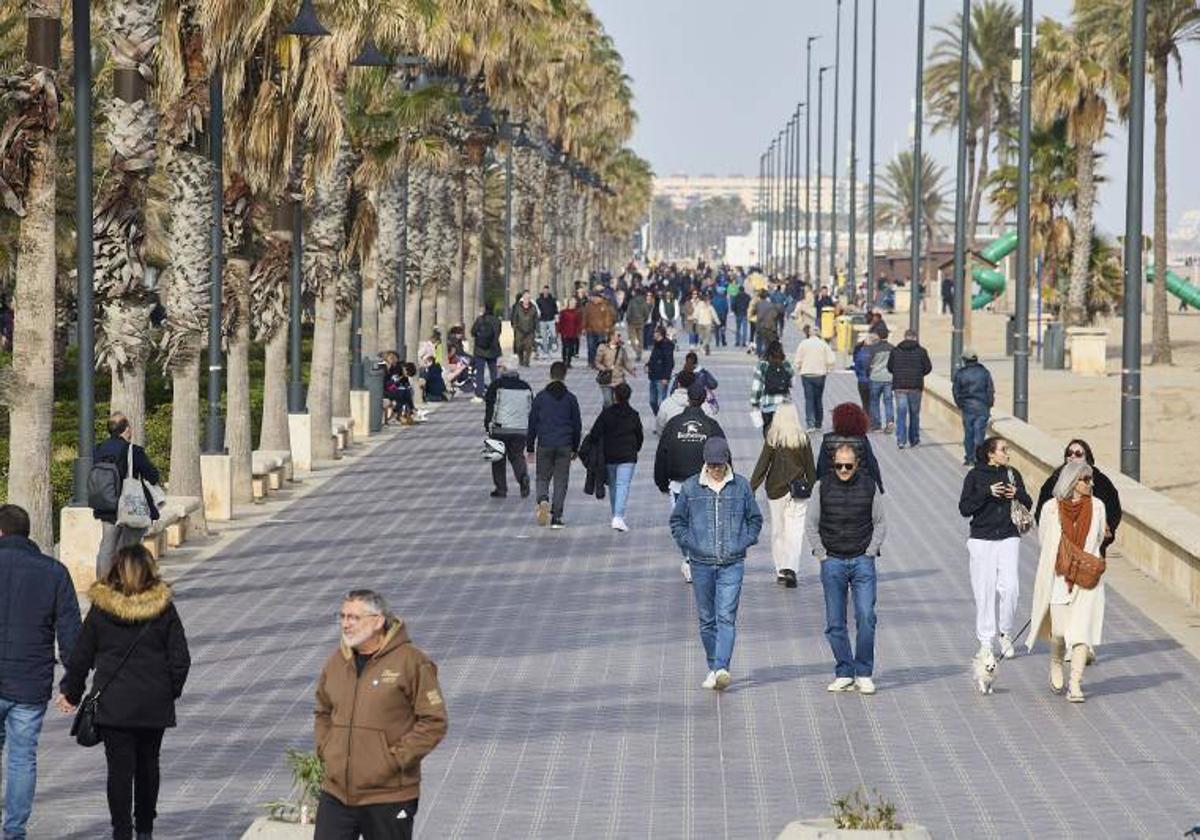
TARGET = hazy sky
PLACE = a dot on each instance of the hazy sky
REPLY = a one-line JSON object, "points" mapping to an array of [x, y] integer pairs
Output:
{"points": [[715, 80]]}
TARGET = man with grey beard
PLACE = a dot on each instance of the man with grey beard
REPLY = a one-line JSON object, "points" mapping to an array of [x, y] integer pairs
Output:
{"points": [[379, 712]]}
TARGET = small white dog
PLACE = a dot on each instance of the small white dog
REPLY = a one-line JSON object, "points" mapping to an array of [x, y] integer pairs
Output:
{"points": [[983, 671]]}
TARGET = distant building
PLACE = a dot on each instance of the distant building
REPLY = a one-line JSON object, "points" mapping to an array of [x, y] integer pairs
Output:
{"points": [[687, 190]]}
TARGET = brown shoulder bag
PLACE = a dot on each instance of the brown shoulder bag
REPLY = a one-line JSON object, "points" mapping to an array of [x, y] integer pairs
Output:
{"points": [[1078, 567]]}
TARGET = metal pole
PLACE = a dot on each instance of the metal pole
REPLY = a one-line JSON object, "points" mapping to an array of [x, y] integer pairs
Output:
{"points": [[1021, 352], [871, 292], [793, 189], [1131, 331], [833, 148], [357, 377], [785, 167], [81, 41], [958, 313], [402, 280], [820, 125], [796, 193], [914, 314], [296, 395], [808, 163], [851, 260], [508, 229], [214, 442], [770, 207]]}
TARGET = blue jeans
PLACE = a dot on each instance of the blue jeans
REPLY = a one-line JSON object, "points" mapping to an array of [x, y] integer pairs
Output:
{"points": [[974, 431], [741, 331], [908, 417], [620, 476], [881, 390], [718, 590], [20, 726], [480, 362], [594, 340], [659, 391], [814, 408], [857, 576]]}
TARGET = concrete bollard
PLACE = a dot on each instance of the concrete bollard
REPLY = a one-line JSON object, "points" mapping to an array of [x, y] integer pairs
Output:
{"points": [[300, 437], [79, 541], [216, 482]]}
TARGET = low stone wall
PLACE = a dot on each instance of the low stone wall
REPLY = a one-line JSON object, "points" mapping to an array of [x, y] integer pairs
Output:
{"points": [[1157, 535]]}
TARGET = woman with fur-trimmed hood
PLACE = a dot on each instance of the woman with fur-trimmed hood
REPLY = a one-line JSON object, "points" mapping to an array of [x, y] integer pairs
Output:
{"points": [[132, 618]]}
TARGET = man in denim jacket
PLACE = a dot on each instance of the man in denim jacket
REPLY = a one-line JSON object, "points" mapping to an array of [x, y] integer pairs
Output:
{"points": [[714, 521]]}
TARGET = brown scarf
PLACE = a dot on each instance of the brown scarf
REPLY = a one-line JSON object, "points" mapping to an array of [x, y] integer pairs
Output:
{"points": [[1076, 518]]}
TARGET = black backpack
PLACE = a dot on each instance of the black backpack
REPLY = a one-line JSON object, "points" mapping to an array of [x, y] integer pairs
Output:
{"points": [[104, 487], [485, 334], [776, 380]]}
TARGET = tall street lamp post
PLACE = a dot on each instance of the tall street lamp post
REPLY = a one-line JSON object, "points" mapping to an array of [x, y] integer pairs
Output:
{"points": [[786, 152], [796, 245], [820, 125], [871, 163], [833, 147], [1021, 351], [960, 197], [82, 42], [808, 161], [214, 442], [1131, 331], [852, 245], [914, 314]]}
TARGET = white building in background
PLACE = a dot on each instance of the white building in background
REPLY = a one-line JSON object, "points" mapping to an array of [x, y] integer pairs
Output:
{"points": [[686, 190]]}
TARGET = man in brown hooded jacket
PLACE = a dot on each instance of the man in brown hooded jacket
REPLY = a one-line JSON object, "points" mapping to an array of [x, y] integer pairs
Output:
{"points": [[379, 712]]}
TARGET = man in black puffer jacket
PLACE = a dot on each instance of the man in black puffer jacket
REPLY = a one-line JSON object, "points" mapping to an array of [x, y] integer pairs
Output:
{"points": [[974, 395], [555, 428], [909, 365]]}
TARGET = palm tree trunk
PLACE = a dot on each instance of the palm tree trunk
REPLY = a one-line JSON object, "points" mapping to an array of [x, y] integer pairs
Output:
{"points": [[128, 392], [386, 339], [370, 316], [320, 385], [1085, 205], [185, 427], [459, 293], [341, 367], [1159, 324], [31, 399], [273, 434], [237, 397]]}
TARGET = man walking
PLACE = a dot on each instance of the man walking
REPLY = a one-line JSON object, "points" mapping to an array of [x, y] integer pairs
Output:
{"points": [[881, 384], [485, 333], [846, 534], [909, 365], [547, 314], [637, 314], [120, 451], [768, 317], [974, 394], [598, 318], [680, 451], [814, 361], [525, 319], [740, 304], [37, 604], [714, 522], [379, 712], [555, 428], [506, 418]]}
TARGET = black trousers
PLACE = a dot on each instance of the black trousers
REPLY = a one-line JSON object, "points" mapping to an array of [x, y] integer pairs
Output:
{"points": [[553, 462], [570, 349], [514, 453], [390, 821], [132, 756]]}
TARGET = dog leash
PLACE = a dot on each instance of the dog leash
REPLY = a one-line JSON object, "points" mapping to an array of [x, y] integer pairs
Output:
{"points": [[1017, 637]]}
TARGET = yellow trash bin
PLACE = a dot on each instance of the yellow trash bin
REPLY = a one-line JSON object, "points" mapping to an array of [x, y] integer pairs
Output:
{"points": [[844, 336], [827, 323]]}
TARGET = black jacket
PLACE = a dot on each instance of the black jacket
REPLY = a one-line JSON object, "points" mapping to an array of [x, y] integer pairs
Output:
{"points": [[37, 603], [740, 304], [680, 451], [591, 455], [509, 380], [662, 360], [991, 516], [485, 333], [973, 389], [547, 307], [620, 429], [143, 691], [866, 455], [115, 450], [1102, 488], [909, 365], [554, 419]]}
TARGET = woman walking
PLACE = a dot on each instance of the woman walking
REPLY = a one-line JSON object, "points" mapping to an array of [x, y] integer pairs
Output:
{"points": [[1102, 488], [134, 640], [570, 324], [772, 385], [988, 492], [612, 365], [1070, 616], [660, 367], [619, 428], [705, 318], [786, 465]]}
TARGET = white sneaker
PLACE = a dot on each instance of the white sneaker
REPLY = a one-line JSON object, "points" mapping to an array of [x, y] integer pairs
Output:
{"points": [[865, 685], [477, 400], [723, 679], [686, 569], [619, 524], [1006, 647], [710, 681], [985, 650], [841, 684]]}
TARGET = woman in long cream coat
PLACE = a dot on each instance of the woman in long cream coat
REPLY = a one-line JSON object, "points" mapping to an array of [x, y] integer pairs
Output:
{"points": [[1070, 618]]}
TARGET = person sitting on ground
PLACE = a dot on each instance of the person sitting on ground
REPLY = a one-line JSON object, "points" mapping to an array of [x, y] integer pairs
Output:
{"points": [[1102, 488], [398, 390], [849, 427]]}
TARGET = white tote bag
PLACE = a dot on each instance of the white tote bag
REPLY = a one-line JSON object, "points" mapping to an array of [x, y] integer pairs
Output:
{"points": [[132, 509]]}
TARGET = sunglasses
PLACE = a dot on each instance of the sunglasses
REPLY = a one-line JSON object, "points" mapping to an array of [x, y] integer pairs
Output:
{"points": [[1075, 453], [1086, 479], [844, 467]]}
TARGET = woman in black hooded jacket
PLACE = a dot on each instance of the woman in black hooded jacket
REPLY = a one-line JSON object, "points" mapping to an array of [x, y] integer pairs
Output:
{"points": [[1102, 488], [132, 613]]}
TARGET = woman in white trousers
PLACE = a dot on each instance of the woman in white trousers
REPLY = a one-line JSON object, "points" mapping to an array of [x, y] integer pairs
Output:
{"points": [[786, 464], [988, 492]]}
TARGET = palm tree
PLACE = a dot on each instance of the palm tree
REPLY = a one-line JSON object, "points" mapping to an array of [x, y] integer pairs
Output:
{"points": [[1169, 25], [235, 334], [893, 203], [1070, 83], [28, 149], [988, 89]]}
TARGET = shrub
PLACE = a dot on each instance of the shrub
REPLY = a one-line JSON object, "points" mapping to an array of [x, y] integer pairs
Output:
{"points": [[857, 811]]}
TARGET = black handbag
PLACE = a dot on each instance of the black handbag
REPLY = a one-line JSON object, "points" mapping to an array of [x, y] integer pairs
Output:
{"points": [[84, 728], [800, 488]]}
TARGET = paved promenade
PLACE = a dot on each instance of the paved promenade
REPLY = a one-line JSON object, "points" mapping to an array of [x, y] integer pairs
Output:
{"points": [[571, 668]]}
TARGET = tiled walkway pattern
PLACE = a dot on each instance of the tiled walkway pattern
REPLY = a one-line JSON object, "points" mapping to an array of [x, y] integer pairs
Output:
{"points": [[571, 667]]}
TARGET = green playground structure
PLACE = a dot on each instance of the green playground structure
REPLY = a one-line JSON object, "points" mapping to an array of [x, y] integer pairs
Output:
{"points": [[1176, 285], [989, 279]]}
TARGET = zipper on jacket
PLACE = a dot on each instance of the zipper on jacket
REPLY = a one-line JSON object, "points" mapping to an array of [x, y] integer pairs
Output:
{"points": [[717, 522], [350, 731]]}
